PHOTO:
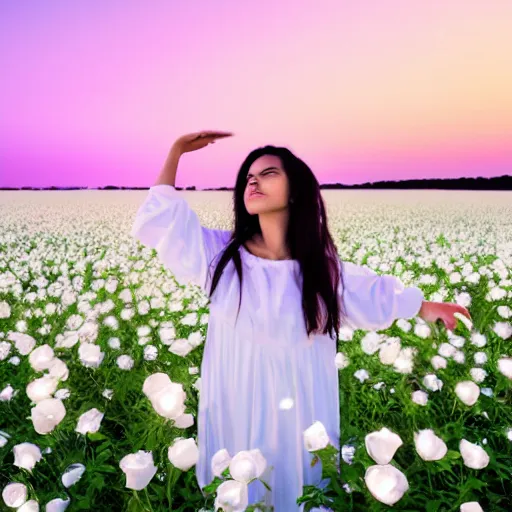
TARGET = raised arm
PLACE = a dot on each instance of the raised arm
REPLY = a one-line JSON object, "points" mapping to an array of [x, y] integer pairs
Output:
{"points": [[166, 222], [186, 144]]}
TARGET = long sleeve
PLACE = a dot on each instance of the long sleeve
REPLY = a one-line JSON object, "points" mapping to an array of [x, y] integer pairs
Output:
{"points": [[167, 223], [373, 301]]}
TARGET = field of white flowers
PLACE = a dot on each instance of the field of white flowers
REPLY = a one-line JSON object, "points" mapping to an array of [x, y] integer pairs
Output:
{"points": [[100, 351]]}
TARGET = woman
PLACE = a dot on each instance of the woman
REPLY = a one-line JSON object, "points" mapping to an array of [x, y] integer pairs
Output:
{"points": [[268, 372]]}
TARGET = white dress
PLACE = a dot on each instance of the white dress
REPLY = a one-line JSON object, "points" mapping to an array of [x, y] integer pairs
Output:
{"points": [[263, 381]]}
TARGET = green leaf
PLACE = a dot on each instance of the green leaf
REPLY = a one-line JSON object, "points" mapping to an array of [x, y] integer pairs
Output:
{"points": [[103, 456], [349, 472], [134, 505], [103, 446], [265, 484], [83, 504], [329, 464], [433, 506], [105, 468], [452, 455], [96, 436], [212, 486], [474, 483]]}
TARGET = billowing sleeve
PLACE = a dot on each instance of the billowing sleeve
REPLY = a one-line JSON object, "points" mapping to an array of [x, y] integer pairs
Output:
{"points": [[167, 223], [373, 301]]}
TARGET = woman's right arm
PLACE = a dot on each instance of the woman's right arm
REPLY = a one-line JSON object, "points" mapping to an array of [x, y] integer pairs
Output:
{"points": [[170, 168], [166, 223]]}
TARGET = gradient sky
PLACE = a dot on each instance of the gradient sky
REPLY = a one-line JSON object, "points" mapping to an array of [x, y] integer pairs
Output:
{"points": [[93, 93]]}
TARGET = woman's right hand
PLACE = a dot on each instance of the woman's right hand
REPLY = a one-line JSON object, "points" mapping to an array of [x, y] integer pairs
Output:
{"points": [[198, 140]]}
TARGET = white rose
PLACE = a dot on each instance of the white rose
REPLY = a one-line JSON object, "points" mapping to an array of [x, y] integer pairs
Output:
{"points": [[386, 483], [26, 455], [446, 350], [108, 393], [62, 394], [404, 362], [150, 353], [371, 342], [471, 506], [341, 361], [361, 375], [457, 341], [72, 474], [181, 347], [220, 461], [41, 388], [169, 402], [389, 351], [7, 393], [114, 343], [505, 366], [5, 309], [486, 391], [247, 465], [315, 437], [347, 453], [195, 338], [47, 414], [59, 369], [5, 349], [66, 340], [431, 382], [57, 505], [184, 421], [29, 506], [468, 392], [41, 358], [155, 383], [24, 342], [125, 362], [183, 453], [90, 355], [438, 362], [14, 495], [474, 456], [381, 445], [503, 329], [480, 358], [478, 374], [459, 357], [420, 397], [139, 469], [479, 340], [232, 496], [429, 446], [89, 421]]}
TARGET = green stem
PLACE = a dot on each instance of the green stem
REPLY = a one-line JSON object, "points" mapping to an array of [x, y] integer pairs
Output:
{"points": [[172, 477], [454, 404], [147, 497]]}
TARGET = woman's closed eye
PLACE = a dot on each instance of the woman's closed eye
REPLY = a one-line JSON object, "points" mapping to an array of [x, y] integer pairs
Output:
{"points": [[270, 172]]}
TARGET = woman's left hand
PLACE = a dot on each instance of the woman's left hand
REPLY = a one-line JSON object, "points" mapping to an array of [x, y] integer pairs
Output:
{"points": [[433, 311]]}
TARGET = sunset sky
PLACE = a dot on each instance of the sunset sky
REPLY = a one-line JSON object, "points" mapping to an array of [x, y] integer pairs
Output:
{"points": [[93, 93]]}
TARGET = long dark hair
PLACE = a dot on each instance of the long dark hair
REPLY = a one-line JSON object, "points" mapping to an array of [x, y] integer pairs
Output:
{"points": [[307, 238]]}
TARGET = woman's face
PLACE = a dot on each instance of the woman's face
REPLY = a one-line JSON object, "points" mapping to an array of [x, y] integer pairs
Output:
{"points": [[267, 176]]}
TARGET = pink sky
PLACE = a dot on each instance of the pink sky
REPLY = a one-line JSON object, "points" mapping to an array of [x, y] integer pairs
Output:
{"points": [[93, 93]]}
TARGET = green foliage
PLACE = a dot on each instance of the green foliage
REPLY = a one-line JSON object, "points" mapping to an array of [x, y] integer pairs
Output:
{"points": [[130, 423]]}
